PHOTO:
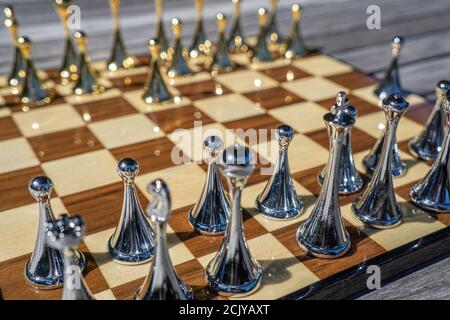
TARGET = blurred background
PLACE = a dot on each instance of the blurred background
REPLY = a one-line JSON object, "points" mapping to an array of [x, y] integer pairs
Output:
{"points": [[337, 26]]}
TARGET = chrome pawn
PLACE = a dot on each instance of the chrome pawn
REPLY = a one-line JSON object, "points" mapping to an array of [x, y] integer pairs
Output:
{"points": [[323, 234], [427, 144], [132, 241], [349, 180], [433, 191], [233, 270], [45, 268], [210, 214], [65, 234], [279, 199], [162, 282], [377, 206]]}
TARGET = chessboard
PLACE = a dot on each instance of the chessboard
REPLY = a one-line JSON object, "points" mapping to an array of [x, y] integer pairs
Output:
{"points": [[77, 142]]}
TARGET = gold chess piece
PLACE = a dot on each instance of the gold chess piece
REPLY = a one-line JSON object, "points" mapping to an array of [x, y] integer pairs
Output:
{"points": [[200, 45], [295, 45], [33, 91], [86, 82], [261, 51], [236, 41], [68, 67], [119, 58], [18, 63], [160, 30], [178, 64], [220, 60], [273, 33], [156, 89]]}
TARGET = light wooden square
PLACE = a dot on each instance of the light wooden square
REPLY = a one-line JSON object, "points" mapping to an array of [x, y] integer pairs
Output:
{"points": [[313, 88], [303, 117], [125, 130], [47, 120], [197, 77], [322, 65], [16, 154], [246, 81], [135, 99], [105, 295], [82, 172]]}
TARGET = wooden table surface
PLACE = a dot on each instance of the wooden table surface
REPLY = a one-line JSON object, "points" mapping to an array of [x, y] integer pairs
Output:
{"points": [[338, 27]]}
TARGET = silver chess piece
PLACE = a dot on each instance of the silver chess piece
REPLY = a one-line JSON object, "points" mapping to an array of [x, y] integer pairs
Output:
{"points": [[391, 82], [198, 46], [295, 45], [45, 268], [236, 40], [65, 234], [433, 191], [377, 206], [178, 64], [427, 144], [156, 89], [119, 57], [132, 241], [323, 234], [12, 24], [233, 270], [261, 51], [221, 61], [162, 282], [349, 180], [210, 214], [279, 199]]}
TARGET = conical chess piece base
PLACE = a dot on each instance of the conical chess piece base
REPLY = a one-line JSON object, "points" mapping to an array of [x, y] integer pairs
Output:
{"points": [[19, 64], [69, 65], [87, 79], [33, 91], [119, 58]]}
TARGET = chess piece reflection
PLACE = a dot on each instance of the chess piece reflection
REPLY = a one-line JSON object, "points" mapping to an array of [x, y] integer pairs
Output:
{"points": [[236, 40], [323, 234], [377, 206], [156, 89], [199, 46], [65, 234], [132, 241], [391, 82], [221, 61], [178, 64], [86, 79], [279, 199], [68, 69], [45, 268], [433, 191], [12, 24], [233, 270], [162, 282], [160, 31], [349, 180], [261, 51], [427, 144], [210, 214], [33, 91], [119, 58], [295, 45]]}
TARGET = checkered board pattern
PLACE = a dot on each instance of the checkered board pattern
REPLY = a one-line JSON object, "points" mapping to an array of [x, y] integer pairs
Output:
{"points": [[78, 141]]}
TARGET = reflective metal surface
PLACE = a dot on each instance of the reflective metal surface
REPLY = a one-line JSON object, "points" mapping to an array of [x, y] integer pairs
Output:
{"points": [[177, 64], [233, 270], [323, 234], [377, 206], [391, 82], [45, 268], [433, 191], [119, 58], [295, 45], [236, 40], [210, 214], [86, 82], [65, 234], [198, 47], [156, 89], [162, 282], [273, 33], [428, 143], [349, 180], [261, 50], [279, 199], [160, 30], [221, 59], [12, 24], [132, 241]]}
